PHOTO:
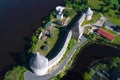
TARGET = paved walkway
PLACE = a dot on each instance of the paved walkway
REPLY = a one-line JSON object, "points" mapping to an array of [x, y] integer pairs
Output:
{"points": [[97, 24], [111, 26], [30, 76], [100, 22]]}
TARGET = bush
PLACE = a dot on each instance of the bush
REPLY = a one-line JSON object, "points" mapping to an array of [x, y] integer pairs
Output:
{"points": [[87, 76], [44, 47], [16, 74], [34, 39], [47, 42], [32, 48]]}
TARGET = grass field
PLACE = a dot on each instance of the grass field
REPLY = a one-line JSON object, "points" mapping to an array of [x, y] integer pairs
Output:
{"points": [[86, 29], [51, 44], [117, 40], [95, 17], [110, 31]]}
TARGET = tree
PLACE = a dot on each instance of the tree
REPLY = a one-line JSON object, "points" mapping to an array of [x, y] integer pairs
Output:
{"points": [[102, 9], [115, 6], [108, 3], [16, 74], [47, 42], [34, 39], [32, 49], [39, 29], [44, 47], [119, 9], [52, 16], [87, 76]]}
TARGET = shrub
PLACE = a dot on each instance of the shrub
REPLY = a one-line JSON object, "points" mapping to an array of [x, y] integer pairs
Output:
{"points": [[16, 74], [44, 47], [47, 42]]}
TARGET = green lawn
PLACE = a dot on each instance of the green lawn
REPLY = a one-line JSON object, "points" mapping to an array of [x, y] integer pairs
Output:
{"points": [[110, 31], [51, 43], [117, 40], [95, 17], [86, 29]]}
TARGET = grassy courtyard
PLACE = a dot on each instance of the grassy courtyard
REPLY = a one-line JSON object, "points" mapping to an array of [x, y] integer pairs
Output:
{"points": [[110, 31], [86, 29], [96, 16], [50, 44], [117, 40]]}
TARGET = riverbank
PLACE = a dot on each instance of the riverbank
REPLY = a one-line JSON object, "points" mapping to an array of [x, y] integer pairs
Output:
{"points": [[106, 68], [82, 59], [19, 19], [78, 9]]}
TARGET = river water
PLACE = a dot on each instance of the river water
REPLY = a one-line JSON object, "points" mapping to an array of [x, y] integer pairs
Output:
{"points": [[86, 56], [18, 18]]}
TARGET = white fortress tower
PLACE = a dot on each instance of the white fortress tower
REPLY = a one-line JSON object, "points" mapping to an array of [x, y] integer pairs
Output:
{"points": [[38, 64], [59, 10], [89, 14]]}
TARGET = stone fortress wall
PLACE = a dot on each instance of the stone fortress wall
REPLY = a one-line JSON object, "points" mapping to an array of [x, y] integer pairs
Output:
{"points": [[56, 59], [45, 68], [82, 18]]}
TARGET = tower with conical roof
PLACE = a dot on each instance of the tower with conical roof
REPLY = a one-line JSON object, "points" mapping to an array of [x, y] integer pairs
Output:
{"points": [[89, 14], [39, 64], [59, 11]]}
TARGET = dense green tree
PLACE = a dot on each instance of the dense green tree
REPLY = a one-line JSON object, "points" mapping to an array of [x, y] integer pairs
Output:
{"points": [[32, 48], [119, 9], [102, 9], [39, 29], [44, 47], [34, 39], [87, 76], [52, 16], [115, 6], [16, 74]]}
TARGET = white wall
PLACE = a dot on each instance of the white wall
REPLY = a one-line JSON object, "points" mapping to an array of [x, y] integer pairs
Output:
{"points": [[55, 60], [82, 18], [40, 72]]}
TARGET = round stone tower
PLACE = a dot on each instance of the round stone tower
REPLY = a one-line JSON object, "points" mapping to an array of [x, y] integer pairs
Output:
{"points": [[89, 14], [39, 64], [59, 11]]}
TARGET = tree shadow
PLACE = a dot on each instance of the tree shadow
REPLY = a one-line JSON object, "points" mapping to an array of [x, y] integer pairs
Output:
{"points": [[21, 59]]}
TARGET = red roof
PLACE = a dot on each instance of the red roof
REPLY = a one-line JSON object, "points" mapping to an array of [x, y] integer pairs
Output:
{"points": [[106, 34]]}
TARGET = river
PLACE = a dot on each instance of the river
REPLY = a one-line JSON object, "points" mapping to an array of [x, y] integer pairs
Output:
{"points": [[86, 56], [18, 18]]}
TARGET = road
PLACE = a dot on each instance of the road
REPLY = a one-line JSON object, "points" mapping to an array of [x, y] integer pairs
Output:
{"points": [[30, 76]]}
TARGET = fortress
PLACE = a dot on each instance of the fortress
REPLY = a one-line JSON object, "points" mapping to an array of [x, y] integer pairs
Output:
{"points": [[40, 64]]}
